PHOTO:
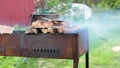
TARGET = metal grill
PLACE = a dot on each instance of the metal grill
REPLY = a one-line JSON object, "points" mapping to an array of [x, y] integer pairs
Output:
{"points": [[61, 46]]}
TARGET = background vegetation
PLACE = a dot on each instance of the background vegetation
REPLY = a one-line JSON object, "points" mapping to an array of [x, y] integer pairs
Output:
{"points": [[99, 4]]}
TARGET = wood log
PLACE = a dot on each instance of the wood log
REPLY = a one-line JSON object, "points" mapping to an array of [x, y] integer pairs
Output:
{"points": [[51, 26], [51, 30], [36, 24], [31, 31], [60, 30], [44, 30]]}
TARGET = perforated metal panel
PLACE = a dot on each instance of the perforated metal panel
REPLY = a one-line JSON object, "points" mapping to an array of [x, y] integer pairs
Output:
{"points": [[49, 45], [43, 45]]}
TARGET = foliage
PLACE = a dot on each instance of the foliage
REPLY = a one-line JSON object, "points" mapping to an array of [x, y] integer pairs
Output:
{"points": [[19, 28], [61, 8], [17, 62], [107, 4], [52, 3], [101, 4], [117, 4]]}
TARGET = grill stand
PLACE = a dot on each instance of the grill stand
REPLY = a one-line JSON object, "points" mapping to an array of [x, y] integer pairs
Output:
{"points": [[87, 59], [76, 60], [76, 56]]}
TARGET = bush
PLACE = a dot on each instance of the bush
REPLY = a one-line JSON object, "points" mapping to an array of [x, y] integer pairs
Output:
{"points": [[52, 3], [107, 4]]}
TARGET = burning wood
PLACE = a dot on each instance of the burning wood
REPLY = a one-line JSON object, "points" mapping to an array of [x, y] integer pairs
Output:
{"points": [[51, 26], [31, 31], [51, 30], [44, 30], [60, 30]]}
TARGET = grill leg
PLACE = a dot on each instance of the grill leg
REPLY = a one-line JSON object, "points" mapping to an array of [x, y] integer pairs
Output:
{"points": [[87, 59], [76, 62]]}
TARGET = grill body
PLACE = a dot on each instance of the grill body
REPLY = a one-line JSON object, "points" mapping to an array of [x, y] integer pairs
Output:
{"points": [[61, 46]]}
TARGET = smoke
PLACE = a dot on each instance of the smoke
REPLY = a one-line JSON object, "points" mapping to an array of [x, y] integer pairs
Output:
{"points": [[102, 22], [103, 27]]}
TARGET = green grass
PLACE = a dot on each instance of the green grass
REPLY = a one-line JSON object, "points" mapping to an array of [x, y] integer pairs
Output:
{"points": [[103, 57]]}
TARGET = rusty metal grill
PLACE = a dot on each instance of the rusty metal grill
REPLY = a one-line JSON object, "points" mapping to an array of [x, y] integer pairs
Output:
{"points": [[62, 46]]}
